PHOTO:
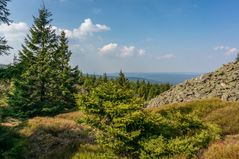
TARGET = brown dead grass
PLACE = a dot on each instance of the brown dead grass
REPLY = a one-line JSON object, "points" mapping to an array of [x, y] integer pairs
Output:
{"points": [[55, 137], [76, 115], [226, 149]]}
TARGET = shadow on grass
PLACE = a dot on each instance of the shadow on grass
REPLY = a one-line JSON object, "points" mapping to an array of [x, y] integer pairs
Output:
{"points": [[43, 138], [12, 145]]}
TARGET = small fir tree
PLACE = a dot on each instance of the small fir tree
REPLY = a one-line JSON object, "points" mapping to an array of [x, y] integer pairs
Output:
{"points": [[122, 80]]}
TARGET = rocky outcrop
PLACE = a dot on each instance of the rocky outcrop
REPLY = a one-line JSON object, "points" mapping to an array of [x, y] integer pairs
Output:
{"points": [[223, 84]]}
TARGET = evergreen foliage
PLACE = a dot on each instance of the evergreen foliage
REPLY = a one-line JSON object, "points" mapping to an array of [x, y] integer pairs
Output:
{"points": [[4, 14], [115, 111], [237, 58], [130, 131], [46, 83], [66, 77], [122, 80]]}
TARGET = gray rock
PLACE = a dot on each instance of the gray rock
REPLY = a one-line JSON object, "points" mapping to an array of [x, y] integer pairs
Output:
{"points": [[223, 84]]}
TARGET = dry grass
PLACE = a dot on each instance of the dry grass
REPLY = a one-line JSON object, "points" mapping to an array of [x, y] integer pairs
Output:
{"points": [[227, 149], [226, 118], [10, 122], [76, 115], [199, 107], [57, 137], [94, 152]]}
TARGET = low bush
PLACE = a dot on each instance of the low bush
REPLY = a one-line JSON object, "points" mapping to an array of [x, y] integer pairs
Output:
{"points": [[130, 131]]}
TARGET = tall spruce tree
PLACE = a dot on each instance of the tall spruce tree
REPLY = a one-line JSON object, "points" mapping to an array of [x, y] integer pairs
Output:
{"points": [[66, 77], [4, 14], [41, 88]]}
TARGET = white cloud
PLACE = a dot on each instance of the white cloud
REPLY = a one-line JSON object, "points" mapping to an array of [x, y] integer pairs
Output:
{"points": [[87, 28], [14, 31], [227, 50], [141, 52], [109, 48], [17, 31], [127, 51], [166, 56], [120, 51]]}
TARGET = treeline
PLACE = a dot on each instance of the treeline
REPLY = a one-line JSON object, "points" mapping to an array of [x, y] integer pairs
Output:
{"points": [[144, 89]]}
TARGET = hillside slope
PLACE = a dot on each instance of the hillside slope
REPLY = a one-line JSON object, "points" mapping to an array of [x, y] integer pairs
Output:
{"points": [[223, 84]]}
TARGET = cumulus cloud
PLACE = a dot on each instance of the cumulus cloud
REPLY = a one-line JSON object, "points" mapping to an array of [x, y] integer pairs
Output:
{"points": [[122, 51], [109, 48], [127, 51], [14, 31], [87, 28], [166, 56], [227, 50]]}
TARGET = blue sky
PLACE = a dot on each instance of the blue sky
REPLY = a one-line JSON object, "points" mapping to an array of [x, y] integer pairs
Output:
{"points": [[137, 35]]}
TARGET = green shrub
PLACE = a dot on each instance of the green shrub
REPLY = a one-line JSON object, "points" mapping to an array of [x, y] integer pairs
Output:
{"points": [[130, 131], [117, 113], [177, 134]]}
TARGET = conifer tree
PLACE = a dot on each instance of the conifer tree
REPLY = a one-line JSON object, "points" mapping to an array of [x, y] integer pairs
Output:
{"points": [[105, 78], [47, 79], [66, 77], [142, 89], [122, 80], [4, 14]]}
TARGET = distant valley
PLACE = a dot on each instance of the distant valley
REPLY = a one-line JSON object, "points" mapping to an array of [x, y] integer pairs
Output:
{"points": [[161, 77]]}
